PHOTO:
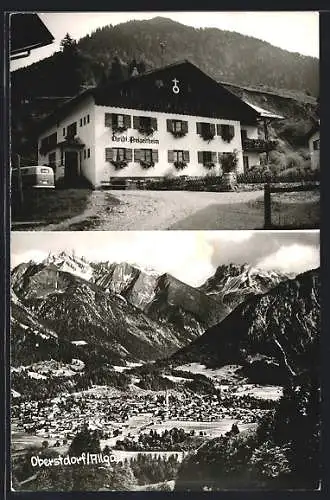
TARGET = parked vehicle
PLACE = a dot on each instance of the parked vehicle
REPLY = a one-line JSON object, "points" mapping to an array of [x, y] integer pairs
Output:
{"points": [[36, 176]]}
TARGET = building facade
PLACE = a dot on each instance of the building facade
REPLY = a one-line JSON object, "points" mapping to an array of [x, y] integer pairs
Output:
{"points": [[169, 122]]}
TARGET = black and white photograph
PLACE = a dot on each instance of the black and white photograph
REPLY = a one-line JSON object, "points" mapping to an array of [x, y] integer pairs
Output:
{"points": [[165, 361], [164, 120]]}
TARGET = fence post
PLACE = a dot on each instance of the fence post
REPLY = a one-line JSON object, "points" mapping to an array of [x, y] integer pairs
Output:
{"points": [[267, 207]]}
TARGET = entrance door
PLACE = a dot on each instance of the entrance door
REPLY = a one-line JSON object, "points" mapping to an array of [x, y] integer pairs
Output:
{"points": [[71, 166]]}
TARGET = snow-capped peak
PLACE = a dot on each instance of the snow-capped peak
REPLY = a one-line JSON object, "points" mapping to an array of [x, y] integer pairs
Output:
{"points": [[70, 263]]}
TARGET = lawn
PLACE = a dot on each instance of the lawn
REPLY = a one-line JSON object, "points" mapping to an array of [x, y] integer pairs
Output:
{"points": [[45, 206]]}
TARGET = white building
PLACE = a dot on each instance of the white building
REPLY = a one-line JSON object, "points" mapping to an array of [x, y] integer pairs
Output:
{"points": [[169, 122], [314, 146]]}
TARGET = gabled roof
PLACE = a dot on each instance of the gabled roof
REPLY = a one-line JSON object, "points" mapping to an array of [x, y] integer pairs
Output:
{"points": [[105, 92], [264, 113], [27, 32]]}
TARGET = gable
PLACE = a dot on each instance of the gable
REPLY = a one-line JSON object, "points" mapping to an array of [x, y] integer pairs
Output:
{"points": [[179, 88]]}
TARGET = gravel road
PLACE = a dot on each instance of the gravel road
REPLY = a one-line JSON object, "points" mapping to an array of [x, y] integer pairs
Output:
{"points": [[161, 210]]}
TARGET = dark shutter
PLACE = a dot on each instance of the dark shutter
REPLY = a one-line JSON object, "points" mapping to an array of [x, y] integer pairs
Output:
{"points": [[223, 131], [114, 119], [199, 128], [231, 132], [169, 125], [170, 156], [185, 127], [200, 157], [154, 124], [127, 121], [155, 155], [212, 128], [218, 129], [137, 154], [214, 157], [136, 122], [220, 158], [108, 119], [186, 156], [128, 153], [108, 154]]}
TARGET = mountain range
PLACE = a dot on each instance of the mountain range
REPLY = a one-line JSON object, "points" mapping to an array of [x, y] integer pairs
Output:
{"points": [[118, 312], [272, 336]]}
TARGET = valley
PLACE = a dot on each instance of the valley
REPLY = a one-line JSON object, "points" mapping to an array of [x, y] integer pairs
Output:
{"points": [[213, 371]]}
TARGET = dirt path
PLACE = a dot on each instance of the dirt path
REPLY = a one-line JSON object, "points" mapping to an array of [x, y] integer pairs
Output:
{"points": [[160, 210]]}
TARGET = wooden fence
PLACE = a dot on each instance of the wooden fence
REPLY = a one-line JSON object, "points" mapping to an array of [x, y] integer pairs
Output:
{"points": [[270, 188]]}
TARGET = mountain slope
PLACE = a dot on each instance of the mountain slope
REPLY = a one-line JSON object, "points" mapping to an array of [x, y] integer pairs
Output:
{"points": [[273, 336], [232, 284]]}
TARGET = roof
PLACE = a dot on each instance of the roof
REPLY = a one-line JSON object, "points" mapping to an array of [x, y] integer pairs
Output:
{"points": [[27, 32], [264, 113], [98, 93]]}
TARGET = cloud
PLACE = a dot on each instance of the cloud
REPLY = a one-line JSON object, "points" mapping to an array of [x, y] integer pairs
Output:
{"points": [[292, 259], [191, 256]]}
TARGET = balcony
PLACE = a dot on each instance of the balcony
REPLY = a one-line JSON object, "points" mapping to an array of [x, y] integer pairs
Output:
{"points": [[257, 145]]}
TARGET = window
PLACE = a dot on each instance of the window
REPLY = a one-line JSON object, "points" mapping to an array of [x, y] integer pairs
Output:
{"points": [[80, 122], [207, 157], [316, 145], [144, 122], [64, 132], [147, 155], [84, 120], [178, 156], [205, 129], [227, 132], [88, 153], [72, 130], [84, 154], [117, 121], [87, 118], [177, 126], [118, 154]]}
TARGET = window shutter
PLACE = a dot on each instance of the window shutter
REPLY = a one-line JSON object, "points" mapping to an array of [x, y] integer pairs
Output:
{"points": [[185, 127], [128, 153], [212, 128], [136, 122], [155, 155], [154, 124], [108, 119], [223, 131], [220, 158], [137, 154], [231, 132], [169, 125], [127, 121], [199, 128], [170, 156], [200, 156], [218, 129], [108, 154], [114, 119], [186, 156], [214, 157]]}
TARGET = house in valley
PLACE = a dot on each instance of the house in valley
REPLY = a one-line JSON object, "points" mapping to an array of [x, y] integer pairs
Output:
{"points": [[171, 121]]}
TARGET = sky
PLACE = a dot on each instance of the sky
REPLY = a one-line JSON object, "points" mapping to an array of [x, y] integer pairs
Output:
{"points": [[296, 31], [191, 256]]}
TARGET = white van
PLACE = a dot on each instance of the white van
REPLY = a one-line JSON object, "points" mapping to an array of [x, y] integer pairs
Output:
{"points": [[36, 176]]}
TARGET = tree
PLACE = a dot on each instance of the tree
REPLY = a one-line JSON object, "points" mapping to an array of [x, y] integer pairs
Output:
{"points": [[69, 45], [85, 441], [116, 72]]}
